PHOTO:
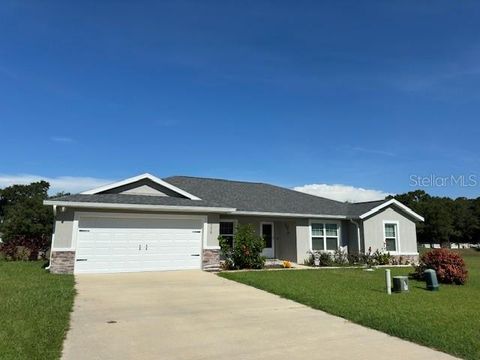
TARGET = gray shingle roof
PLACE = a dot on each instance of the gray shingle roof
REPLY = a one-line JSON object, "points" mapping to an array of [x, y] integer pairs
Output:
{"points": [[260, 197], [357, 209], [243, 196], [136, 199]]}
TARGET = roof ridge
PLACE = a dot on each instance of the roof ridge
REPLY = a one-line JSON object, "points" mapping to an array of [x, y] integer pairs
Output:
{"points": [[368, 202], [304, 193], [214, 179]]}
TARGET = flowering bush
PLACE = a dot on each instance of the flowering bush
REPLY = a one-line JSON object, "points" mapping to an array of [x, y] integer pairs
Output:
{"points": [[448, 265], [246, 252]]}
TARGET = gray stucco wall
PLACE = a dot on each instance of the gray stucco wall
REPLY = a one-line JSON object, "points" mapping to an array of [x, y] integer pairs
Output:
{"points": [[344, 234], [373, 229], [63, 229], [213, 228], [285, 243], [353, 238]]}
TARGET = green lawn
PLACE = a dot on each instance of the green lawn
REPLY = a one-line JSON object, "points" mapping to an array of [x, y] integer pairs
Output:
{"points": [[34, 310], [448, 320]]}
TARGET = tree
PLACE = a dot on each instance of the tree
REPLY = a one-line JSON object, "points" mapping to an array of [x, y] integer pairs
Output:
{"points": [[22, 213], [465, 222], [438, 227]]}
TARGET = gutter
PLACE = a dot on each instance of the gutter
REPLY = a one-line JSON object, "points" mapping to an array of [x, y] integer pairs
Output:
{"points": [[83, 204], [176, 208], [53, 236], [293, 215]]}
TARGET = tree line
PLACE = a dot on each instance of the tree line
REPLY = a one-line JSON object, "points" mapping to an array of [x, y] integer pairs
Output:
{"points": [[446, 220]]}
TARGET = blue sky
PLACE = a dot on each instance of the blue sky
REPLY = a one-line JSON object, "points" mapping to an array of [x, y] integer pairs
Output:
{"points": [[363, 94]]}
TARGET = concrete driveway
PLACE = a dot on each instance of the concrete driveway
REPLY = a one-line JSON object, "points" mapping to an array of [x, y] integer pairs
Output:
{"points": [[197, 315]]}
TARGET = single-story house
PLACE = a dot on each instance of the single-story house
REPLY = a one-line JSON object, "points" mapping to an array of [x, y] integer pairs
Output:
{"points": [[145, 223]]}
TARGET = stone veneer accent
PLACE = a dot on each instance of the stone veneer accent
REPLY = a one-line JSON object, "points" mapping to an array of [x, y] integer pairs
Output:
{"points": [[210, 258], [62, 262]]}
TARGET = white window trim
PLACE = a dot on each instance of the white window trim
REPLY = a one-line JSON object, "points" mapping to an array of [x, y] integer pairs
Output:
{"points": [[273, 233], [397, 237], [325, 221]]}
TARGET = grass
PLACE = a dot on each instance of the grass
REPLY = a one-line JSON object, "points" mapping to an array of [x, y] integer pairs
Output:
{"points": [[34, 310], [447, 320]]}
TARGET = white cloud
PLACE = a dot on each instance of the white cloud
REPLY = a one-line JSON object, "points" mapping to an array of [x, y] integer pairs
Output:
{"points": [[70, 184], [62, 139], [342, 192]]}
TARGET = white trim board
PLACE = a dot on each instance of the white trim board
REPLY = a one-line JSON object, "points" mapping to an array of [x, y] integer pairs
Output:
{"points": [[396, 203], [292, 215], [138, 178]]}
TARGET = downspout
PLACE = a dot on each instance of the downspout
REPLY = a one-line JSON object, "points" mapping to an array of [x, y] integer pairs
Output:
{"points": [[358, 235], [53, 236]]}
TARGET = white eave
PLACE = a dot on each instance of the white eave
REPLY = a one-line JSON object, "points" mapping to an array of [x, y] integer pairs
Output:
{"points": [[144, 207], [138, 178], [394, 202]]}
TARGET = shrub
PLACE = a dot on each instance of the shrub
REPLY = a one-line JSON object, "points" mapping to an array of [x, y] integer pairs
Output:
{"points": [[310, 261], [356, 259], [23, 248], [448, 265], [340, 257], [326, 259], [246, 252], [381, 258]]}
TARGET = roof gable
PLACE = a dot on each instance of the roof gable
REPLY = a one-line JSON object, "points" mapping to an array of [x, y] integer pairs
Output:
{"points": [[393, 203], [144, 184]]}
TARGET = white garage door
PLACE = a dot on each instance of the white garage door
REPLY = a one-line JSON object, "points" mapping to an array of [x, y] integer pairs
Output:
{"points": [[120, 244]]}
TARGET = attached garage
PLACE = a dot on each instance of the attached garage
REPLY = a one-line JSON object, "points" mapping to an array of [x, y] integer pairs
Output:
{"points": [[116, 242]]}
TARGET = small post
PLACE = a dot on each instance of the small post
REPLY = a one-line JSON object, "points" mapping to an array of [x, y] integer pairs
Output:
{"points": [[388, 282]]}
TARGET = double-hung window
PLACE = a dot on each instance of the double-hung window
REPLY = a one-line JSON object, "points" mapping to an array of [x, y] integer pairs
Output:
{"points": [[391, 236], [227, 229], [325, 236]]}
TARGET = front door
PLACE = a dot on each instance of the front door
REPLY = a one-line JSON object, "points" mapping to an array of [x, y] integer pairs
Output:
{"points": [[266, 231]]}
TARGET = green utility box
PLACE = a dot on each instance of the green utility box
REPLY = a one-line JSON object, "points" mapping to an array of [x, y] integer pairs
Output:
{"points": [[431, 279], [400, 284]]}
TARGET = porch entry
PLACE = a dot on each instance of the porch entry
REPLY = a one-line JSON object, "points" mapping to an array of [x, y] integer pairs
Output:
{"points": [[266, 231]]}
